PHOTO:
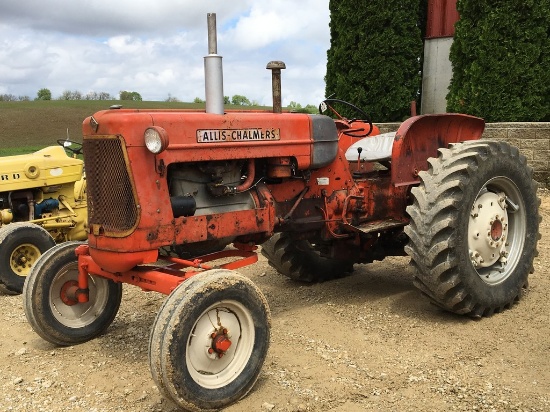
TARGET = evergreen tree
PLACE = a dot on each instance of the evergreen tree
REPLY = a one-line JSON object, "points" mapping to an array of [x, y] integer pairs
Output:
{"points": [[501, 60], [374, 60]]}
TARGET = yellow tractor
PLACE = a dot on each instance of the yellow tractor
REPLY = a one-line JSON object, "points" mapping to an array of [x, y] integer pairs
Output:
{"points": [[42, 202]]}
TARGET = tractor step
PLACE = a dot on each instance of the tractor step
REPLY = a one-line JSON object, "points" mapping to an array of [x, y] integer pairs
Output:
{"points": [[376, 226]]}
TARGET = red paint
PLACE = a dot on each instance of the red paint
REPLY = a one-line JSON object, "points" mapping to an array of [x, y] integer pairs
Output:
{"points": [[221, 344], [338, 202], [441, 19]]}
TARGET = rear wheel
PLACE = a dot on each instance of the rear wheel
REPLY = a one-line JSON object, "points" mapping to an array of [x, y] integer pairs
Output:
{"points": [[209, 340], [298, 260], [474, 228], [50, 303], [21, 244]]}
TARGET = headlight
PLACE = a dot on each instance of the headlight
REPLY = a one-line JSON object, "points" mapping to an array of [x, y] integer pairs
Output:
{"points": [[156, 139]]}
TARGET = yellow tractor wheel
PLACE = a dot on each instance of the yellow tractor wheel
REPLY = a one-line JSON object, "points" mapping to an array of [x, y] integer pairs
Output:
{"points": [[21, 244]]}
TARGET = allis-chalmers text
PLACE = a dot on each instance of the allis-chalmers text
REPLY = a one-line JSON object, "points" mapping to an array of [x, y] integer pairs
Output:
{"points": [[236, 135]]}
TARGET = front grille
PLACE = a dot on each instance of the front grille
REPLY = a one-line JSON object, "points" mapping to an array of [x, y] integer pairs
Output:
{"points": [[111, 202]]}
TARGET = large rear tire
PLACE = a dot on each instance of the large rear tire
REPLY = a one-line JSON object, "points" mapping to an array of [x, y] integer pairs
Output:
{"points": [[298, 260], [57, 316], [209, 340], [21, 244], [474, 228]]}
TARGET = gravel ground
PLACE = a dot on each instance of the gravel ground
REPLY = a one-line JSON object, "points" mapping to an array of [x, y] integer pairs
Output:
{"points": [[366, 342]]}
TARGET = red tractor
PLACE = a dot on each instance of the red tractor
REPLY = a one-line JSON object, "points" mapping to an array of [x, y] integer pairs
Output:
{"points": [[170, 190]]}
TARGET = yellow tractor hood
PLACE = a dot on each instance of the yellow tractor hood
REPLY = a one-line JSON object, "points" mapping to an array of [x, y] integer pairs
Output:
{"points": [[47, 167]]}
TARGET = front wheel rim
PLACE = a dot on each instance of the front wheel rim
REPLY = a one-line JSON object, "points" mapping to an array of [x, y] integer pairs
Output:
{"points": [[73, 314], [496, 230], [210, 363]]}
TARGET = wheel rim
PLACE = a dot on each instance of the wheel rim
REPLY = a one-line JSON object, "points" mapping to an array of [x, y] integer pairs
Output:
{"points": [[23, 257], [69, 312], [220, 344], [496, 230]]}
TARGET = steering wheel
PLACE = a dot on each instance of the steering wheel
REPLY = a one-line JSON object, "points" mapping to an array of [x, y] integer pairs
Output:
{"points": [[64, 145], [326, 104]]}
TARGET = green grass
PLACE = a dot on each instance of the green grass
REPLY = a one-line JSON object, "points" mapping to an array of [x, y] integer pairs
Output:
{"points": [[29, 126], [12, 151]]}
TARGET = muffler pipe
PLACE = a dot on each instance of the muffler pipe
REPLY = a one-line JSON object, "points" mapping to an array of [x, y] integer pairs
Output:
{"points": [[276, 67], [213, 72]]}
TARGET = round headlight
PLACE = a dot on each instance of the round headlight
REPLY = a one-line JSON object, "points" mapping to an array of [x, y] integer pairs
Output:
{"points": [[156, 139]]}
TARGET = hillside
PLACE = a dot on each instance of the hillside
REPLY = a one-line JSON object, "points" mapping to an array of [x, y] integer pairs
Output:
{"points": [[28, 126]]}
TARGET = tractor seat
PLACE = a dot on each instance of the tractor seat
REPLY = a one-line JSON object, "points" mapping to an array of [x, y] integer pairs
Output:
{"points": [[374, 148]]}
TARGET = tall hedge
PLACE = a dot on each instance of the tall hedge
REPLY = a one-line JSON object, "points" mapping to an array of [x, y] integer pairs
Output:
{"points": [[501, 60], [374, 60]]}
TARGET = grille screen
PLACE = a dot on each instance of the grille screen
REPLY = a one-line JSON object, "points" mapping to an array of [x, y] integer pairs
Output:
{"points": [[110, 196]]}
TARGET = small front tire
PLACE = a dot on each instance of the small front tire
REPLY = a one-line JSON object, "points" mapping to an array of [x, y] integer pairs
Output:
{"points": [[209, 340], [56, 316]]}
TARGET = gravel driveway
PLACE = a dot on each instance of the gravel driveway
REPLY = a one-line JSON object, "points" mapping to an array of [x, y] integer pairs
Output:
{"points": [[365, 342]]}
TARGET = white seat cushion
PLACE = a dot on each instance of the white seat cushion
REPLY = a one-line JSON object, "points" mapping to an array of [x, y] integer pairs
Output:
{"points": [[374, 148]]}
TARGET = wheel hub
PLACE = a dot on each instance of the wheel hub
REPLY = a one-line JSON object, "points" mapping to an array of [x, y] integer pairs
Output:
{"points": [[488, 230], [68, 293], [220, 342], [496, 230], [22, 259]]}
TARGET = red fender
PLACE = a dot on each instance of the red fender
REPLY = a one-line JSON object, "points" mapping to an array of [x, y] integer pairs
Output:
{"points": [[419, 137]]}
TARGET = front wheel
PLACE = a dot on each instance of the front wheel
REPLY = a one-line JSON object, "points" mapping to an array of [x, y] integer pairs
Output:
{"points": [[474, 227], [209, 340], [21, 244], [52, 309]]}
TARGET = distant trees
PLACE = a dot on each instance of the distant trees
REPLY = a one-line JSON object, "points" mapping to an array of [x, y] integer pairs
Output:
{"points": [[501, 60], [237, 100], [171, 99], [44, 94], [240, 100], [98, 96], [297, 107], [134, 96], [76, 95], [70, 95], [13, 98]]}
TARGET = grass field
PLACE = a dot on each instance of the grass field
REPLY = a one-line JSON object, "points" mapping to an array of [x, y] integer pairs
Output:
{"points": [[29, 126]]}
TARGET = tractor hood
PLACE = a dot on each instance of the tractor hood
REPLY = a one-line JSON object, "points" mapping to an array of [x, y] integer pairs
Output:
{"points": [[46, 167]]}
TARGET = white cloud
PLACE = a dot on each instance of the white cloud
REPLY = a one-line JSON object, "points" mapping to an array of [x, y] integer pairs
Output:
{"points": [[282, 21], [157, 48]]}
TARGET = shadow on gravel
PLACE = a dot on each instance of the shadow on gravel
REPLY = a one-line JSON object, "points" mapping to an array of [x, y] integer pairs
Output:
{"points": [[381, 284]]}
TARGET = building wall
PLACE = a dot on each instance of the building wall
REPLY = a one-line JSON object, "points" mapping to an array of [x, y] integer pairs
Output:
{"points": [[437, 70], [532, 139], [442, 16], [436, 75]]}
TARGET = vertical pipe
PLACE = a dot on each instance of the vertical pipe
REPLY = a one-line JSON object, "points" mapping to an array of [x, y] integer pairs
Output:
{"points": [[212, 33], [276, 67], [213, 72]]}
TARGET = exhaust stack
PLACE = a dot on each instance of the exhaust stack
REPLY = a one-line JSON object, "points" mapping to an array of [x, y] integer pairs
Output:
{"points": [[213, 72], [276, 67]]}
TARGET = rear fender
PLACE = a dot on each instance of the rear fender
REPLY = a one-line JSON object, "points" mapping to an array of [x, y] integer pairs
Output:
{"points": [[419, 138]]}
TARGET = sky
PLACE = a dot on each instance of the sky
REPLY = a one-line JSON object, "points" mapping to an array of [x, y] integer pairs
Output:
{"points": [[157, 48]]}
